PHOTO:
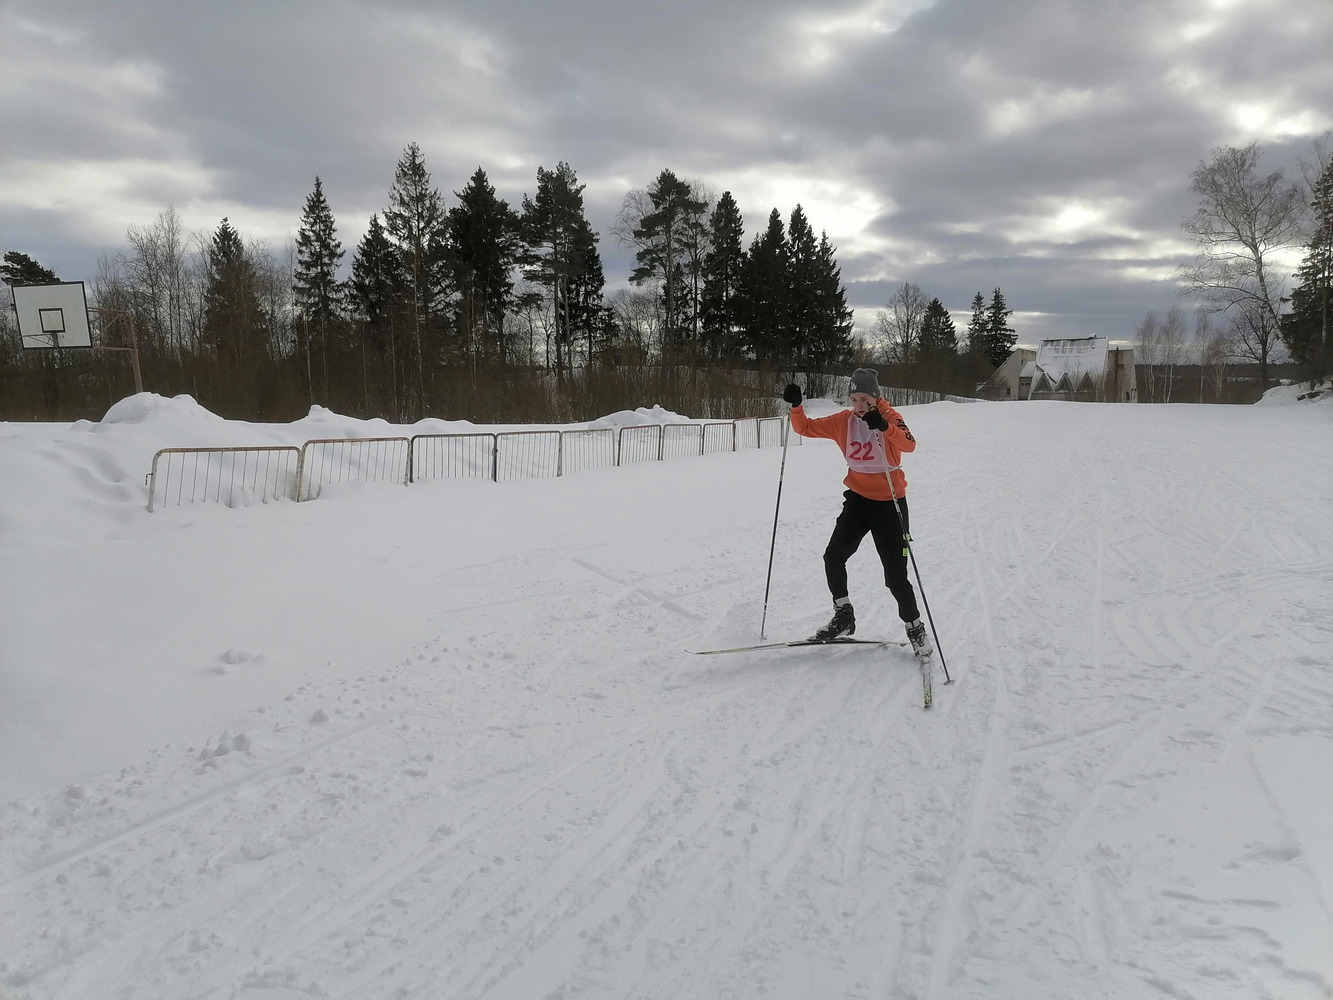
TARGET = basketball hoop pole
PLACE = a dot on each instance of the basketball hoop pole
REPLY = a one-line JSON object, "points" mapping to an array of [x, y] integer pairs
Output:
{"points": [[134, 342]]}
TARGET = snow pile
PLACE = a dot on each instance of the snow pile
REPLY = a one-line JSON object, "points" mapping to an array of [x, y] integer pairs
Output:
{"points": [[1298, 392], [655, 414], [149, 407]]}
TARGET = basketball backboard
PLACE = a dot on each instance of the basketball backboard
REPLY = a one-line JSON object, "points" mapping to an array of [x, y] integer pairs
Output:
{"points": [[53, 315]]}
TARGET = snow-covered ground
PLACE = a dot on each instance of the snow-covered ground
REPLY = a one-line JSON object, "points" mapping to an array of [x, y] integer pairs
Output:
{"points": [[443, 741]]}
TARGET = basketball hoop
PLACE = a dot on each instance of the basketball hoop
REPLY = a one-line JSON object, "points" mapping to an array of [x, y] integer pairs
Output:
{"points": [[56, 316]]}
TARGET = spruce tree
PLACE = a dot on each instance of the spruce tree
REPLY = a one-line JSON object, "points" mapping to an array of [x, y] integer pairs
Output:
{"points": [[978, 328], [1000, 337], [1306, 328], [721, 279], [315, 286], [802, 281], [374, 293], [763, 294], [589, 317], [831, 339], [234, 329], [415, 223], [939, 336], [483, 236]]}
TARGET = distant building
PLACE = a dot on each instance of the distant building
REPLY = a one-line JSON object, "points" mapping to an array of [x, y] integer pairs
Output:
{"points": [[1005, 382], [1078, 369]]}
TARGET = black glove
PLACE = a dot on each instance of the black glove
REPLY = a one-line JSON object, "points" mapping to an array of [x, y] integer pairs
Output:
{"points": [[875, 420], [792, 394]]}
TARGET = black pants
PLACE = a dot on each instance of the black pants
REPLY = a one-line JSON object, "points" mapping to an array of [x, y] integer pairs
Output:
{"points": [[859, 516]]}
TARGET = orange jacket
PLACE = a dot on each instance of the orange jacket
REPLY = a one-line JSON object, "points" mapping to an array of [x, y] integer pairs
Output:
{"points": [[865, 467]]}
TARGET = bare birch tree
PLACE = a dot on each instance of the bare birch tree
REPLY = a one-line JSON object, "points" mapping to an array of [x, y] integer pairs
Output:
{"points": [[1245, 224], [898, 325]]}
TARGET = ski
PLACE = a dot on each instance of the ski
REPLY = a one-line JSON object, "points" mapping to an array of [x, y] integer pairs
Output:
{"points": [[792, 643], [927, 669]]}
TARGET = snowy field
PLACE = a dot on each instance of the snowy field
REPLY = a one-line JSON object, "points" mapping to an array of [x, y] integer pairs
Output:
{"points": [[443, 741]]}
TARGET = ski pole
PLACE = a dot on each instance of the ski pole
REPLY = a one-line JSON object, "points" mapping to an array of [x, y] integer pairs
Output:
{"points": [[773, 543], [907, 541]]}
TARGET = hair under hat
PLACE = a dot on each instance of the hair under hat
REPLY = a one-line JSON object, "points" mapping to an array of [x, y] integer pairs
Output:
{"points": [[866, 380]]}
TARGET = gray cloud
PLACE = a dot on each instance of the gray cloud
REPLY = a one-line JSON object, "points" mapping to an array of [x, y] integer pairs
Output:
{"points": [[1044, 146]]}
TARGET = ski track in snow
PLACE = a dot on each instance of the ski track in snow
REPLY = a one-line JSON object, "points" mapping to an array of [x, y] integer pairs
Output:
{"points": [[548, 798]]}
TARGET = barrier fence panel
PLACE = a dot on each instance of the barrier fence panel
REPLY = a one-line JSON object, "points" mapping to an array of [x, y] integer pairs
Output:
{"points": [[770, 431], [327, 461], [591, 449], [640, 443], [527, 455], [453, 456], [747, 433], [682, 440], [719, 436], [232, 476]]}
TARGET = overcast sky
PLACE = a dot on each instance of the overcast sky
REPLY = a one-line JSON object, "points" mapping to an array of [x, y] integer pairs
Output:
{"points": [[1044, 146]]}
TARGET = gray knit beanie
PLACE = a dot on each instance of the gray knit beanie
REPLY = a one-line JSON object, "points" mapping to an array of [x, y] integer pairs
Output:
{"points": [[866, 380]]}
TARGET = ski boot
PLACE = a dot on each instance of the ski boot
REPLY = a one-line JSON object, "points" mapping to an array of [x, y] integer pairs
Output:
{"points": [[920, 639], [843, 623]]}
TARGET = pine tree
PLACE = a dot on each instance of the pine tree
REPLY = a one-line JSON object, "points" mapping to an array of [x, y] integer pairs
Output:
{"points": [[559, 252], [831, 338], [315, 285], [978, 328], [662, 236], [20, 269], [1000, 337], [721, 279], [763, 295], [415, 223], [483, 236], [1305, 329]]}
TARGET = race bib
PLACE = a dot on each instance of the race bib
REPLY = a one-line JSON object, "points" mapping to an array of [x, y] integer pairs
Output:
{"points": [[863, 451]]}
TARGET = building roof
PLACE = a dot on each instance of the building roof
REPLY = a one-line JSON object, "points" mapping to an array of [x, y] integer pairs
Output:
{"points": [[1071, 359]]}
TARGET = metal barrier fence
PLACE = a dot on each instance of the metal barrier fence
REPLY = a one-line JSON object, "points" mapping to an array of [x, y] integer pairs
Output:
{"points": [[527, 455], [344, 460], [639, 443], [453, 456], [236, 476], [583, 450], [231, 476], [719, 436]]}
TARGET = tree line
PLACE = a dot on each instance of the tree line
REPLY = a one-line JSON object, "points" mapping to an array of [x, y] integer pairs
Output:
{"points": [[441, 310]]}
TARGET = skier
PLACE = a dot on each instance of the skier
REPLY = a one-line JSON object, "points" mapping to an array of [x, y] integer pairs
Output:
{"points": [[873, 437]]}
